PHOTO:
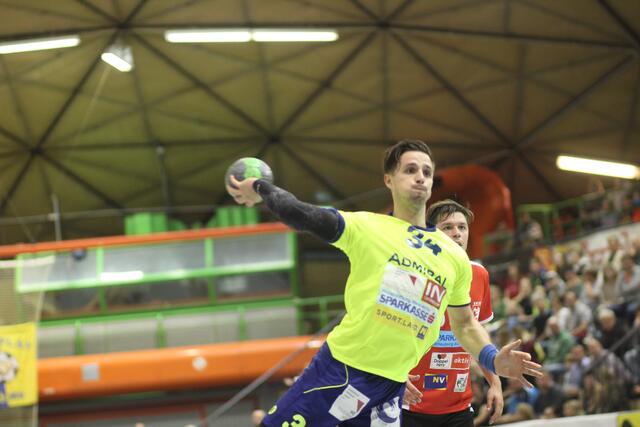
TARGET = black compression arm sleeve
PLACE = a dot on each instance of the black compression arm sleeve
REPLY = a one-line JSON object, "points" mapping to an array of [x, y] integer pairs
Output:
{"points": [[326, 224]]}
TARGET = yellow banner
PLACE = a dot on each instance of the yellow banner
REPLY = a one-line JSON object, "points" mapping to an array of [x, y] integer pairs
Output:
{"points": [[629, 419], [18, 369]]}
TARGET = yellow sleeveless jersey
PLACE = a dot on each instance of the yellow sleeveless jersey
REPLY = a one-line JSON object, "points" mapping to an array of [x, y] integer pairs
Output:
{"points": [[402, 279]]}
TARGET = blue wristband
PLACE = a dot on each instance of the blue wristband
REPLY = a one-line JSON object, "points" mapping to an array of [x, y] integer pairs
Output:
{"points": [[487, 357]]}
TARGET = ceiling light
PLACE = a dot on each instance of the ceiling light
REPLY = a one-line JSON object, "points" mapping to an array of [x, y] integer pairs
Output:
{"points": [[246, 34], [39, 44], [598, 167], [267, 35], [119, 57], [207, 36]]}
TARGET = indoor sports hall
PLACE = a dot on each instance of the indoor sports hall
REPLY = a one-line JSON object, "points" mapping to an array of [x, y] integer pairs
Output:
{"points": [[136, 292]]}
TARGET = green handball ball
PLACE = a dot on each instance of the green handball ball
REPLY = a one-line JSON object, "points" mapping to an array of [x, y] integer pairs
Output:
{"points": [[248, 167]]}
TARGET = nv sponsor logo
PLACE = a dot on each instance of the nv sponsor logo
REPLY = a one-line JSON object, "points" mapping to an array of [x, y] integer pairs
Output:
{"points": [[435, 381], [433, 294]]}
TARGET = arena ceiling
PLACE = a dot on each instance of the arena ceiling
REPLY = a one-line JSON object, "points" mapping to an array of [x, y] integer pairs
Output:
{"points": [[508, 84]]}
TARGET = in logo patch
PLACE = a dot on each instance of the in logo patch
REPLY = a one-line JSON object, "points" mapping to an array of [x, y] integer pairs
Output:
{"points": [[433, 294], [435, 381]]}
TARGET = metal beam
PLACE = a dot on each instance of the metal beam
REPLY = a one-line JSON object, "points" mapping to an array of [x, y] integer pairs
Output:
{"points": [[39, 12], [74, 93], [622, 23], [14, 138], [202, 85], [398, 10], [144, 145], [180, 177], [385, 87], [95, 9], [364, 9], [82, 182], [159, 150], [17, 103], [313, 172], [384, 142], [633, 109], [41, 34], [452, 89], [325, 84], [16, 183], [538, 6], [540, 177], [569, 106], [519, 101], [529, 38]]}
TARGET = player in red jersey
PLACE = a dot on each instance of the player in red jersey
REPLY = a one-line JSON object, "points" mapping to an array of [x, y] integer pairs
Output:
{"points": [[441, 393]]}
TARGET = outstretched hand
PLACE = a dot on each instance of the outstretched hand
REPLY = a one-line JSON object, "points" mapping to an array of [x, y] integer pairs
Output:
{"points": [[412, 395], [243, 192], [515, 364]]}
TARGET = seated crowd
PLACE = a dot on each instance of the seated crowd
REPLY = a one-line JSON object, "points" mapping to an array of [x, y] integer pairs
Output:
{"points": [[577, 313]]}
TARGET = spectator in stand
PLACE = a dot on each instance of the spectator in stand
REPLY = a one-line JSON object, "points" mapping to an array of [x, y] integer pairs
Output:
{"points": [[632, 357], [572, 408], [574, 316], [528, 232], [609, 331], [557, 343], [611, 376], [578, 262], [628, 287], [554, 285], [541, 311], [498, 304], [523, 412], [635, 202], [576, 364], [609, 215], [515, 393], [613, 255], [635, 248], [606, 282], [573, 282], [518, 288], [537, 272], [592, 289], [550, 395]]}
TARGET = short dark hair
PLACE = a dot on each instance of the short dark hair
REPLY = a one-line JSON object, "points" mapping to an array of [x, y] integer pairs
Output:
{"points": [[393, 153], [445, 208]]}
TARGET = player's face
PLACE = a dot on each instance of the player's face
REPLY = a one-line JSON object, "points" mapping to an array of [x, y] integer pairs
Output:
{"points": [[413, 177], [455, 226]]}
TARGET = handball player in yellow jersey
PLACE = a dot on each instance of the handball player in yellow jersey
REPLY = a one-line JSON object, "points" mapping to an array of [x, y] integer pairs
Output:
{"points": [[404, 275]]}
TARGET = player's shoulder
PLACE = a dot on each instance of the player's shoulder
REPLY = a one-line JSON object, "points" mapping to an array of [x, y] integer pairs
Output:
{"points": [[478, 270]]}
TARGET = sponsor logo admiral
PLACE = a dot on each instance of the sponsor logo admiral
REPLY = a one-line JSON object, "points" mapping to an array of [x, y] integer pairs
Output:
{"points": [[433, 294], [435, 381]]}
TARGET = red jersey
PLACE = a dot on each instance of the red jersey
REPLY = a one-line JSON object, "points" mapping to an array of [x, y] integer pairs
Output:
{"points": [[444, 370]]}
